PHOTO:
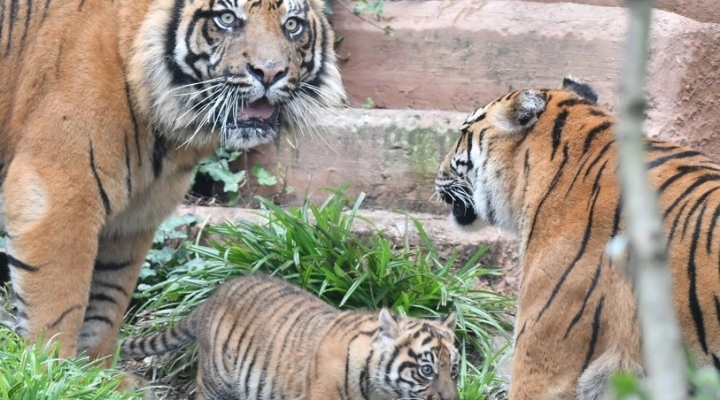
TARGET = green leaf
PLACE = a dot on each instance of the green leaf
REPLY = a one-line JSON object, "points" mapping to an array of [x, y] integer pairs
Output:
{"points": [[369, 103], [264, 177]]}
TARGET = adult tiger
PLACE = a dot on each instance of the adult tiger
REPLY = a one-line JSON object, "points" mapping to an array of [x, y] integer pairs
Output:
{"points": [[542, 163], [106, 107], [260, 337]]}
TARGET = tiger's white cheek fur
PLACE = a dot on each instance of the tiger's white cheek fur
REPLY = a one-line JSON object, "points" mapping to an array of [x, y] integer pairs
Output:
{"points": [[496, 190], [479, 194], [490, 193]]}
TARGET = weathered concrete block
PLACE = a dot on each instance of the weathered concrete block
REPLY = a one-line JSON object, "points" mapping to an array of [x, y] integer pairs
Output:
{"points": [[391, 155]]}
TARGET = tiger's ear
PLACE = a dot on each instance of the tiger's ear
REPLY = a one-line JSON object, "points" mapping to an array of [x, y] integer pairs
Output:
{"points": [[449, 321], [522, 112], [388, 324], [581, 89]]}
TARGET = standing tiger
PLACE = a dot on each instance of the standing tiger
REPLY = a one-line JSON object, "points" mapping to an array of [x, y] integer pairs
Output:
{"points": [[542, 163], [260, 337], [105, 109]]}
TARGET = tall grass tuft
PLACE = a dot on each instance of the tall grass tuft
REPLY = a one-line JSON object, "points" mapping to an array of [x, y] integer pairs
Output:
{"points": [[35, 373]]}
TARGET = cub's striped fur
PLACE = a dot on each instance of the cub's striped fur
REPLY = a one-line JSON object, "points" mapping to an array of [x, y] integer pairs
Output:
{"points": [[105, 109], [542, 163], [260, 337]]}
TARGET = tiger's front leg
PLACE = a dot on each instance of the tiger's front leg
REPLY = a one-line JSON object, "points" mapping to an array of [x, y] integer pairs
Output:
{"points": [[114, 278], [53, 220]]}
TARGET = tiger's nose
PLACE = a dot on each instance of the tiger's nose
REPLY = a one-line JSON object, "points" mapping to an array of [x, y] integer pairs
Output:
{"points": [[267, 72]]}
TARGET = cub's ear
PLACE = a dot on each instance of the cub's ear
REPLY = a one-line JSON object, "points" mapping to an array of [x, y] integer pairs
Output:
{"points": [[521, 112], [581, 89], [449, 321], [388, 324]]}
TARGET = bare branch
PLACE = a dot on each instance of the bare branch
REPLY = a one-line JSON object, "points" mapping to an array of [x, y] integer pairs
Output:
{"points": [[662, 347]]}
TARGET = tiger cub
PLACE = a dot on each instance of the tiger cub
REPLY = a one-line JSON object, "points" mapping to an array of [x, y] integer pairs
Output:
{"points": [[260, 337]]}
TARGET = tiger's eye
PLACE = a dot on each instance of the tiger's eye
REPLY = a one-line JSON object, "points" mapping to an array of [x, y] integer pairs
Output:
{"points": [[292, 25], [427, 371], [227, 18]]}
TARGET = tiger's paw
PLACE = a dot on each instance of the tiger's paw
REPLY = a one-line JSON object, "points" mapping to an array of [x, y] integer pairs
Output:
{"points": [[7, 320], [131, 382]]}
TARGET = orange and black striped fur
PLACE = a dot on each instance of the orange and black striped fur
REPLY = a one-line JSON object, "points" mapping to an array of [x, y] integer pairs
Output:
{"points": [[105, 109], [260, 337], [542, 163]]}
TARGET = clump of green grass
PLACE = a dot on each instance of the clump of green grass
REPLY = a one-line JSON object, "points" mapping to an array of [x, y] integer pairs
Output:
{"points": [[316, 248], [35, 372]]}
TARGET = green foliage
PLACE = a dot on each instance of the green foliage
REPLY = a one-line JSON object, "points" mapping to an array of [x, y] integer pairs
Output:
{"points": [[217, 168], [169, 250], [626, 386], [374, 7], [705, 383], [316, 248], [34, 372]]}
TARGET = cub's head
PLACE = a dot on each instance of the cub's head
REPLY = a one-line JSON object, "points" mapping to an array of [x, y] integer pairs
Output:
{"points": [[235, 70], [418, 359], [479, 176]]}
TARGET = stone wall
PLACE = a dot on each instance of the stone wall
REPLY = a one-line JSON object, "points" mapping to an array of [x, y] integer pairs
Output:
{"points": [[457, 55]]}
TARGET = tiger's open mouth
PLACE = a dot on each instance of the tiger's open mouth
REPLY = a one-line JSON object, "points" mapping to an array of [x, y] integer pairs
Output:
{"points": [[259, 114], [462, 208]]}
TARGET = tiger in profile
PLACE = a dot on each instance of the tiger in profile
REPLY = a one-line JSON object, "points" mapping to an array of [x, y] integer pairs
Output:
{"points": [[260, 337], [106, 107], [542, 163]]}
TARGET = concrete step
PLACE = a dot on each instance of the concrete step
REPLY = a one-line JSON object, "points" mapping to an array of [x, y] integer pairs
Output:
{"points": [[458, 55], [700, 10]]}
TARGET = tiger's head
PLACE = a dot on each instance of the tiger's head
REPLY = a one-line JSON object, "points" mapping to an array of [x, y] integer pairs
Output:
{"points": [[481, 176], [234, 71], [417, 357]]}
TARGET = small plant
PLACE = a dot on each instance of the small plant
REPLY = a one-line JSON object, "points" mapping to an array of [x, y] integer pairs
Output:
{"points": [[216, 168], [369, 103], [215, 177]]}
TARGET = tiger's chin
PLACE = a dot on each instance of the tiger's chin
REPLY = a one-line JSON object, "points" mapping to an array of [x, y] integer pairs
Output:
{"points": [[465, 217]]}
